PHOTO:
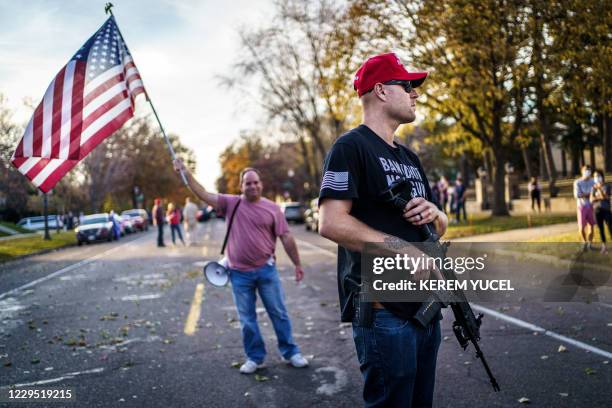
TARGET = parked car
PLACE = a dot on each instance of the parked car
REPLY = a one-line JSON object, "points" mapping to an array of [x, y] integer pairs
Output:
{"points": [[126, 221], [38, 223], [95, 227], [205, 213], [294, 212], [311, 216], [139, 218]]}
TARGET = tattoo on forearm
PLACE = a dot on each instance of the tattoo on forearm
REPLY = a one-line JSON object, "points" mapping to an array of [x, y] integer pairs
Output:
{"points": [[395, 242]]}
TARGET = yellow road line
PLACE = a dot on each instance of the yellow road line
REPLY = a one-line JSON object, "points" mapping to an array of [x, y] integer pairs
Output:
{"points": [[194, 311]]}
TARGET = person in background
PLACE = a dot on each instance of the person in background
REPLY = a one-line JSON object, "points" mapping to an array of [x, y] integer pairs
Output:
{"points": [[190, 220], [600, 197], [116, 226], [436, 193], [459, 193], [81, 217], [535, 193], [443, 192], [69, 221], [173, 215], [157, 215], [583, 187]]}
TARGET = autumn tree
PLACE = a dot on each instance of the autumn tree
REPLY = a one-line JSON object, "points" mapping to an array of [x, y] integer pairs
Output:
{"points": [[281, 167], [136, 155], [305, 84]]}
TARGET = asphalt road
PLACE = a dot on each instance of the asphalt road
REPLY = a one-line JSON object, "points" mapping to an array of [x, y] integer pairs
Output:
{"points": [[110, 319]]}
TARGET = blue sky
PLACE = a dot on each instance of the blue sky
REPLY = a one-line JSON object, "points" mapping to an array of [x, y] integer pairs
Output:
{"points": [[179, 48]]}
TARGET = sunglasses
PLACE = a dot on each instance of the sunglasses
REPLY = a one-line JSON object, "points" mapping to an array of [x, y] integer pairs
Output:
{"points": [[407, 85]]}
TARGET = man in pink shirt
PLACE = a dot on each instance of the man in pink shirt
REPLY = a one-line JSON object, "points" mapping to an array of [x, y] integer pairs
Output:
{"points": [[250, 252]]}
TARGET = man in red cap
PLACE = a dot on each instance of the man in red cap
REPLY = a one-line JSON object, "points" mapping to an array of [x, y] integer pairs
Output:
{"points": [[397, 355]]}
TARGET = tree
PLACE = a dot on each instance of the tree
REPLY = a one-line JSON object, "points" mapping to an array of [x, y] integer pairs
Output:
{"points": [[14, 205], [281, 168], [581, 31], [472, 51], [303, 84], [135, 155]]}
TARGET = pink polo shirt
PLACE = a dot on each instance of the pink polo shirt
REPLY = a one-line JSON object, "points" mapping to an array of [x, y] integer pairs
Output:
{"points": [[252, 240]]}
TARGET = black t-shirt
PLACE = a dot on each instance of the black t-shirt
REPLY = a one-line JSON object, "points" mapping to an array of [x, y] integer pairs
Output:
{"points": [[359, 167]]}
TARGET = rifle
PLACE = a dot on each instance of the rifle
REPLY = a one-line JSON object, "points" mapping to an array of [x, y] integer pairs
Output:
{"points": [[466, 325]]}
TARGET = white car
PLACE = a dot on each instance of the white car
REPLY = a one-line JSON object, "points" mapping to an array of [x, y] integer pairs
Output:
{"points": [[38, 223], [95, 227]]}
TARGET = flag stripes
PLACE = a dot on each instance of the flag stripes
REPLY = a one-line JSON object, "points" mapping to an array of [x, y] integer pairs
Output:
{"points": [[85, 103]]}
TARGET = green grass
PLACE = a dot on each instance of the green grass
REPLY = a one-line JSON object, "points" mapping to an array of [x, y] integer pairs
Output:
{"points": [[17, 247], [486, 225], [14, 227]]}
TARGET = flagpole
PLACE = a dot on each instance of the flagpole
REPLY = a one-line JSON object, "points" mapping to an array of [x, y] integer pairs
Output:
{"points": [[108, 10], [46, 215]]}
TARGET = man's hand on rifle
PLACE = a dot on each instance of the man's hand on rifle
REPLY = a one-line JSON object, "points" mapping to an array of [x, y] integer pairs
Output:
{"points": [[419, 211]]}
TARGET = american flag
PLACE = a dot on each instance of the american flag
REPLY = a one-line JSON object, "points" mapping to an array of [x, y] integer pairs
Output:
{"points": [[90, 98]]}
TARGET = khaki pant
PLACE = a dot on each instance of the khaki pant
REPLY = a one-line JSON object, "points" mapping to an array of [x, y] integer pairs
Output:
{"points": [[190, 231]]}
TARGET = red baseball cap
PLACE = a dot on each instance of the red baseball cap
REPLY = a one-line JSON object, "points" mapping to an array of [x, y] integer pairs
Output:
{"points": [[383, 68]]}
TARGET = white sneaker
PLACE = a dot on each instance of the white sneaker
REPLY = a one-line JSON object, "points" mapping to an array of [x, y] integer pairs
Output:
{"points": [[298, 361], [249, 367]]}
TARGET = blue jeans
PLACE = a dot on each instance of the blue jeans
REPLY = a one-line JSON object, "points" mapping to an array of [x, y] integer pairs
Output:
{"points": [[397, 359], [177, 228], [265, 281]]}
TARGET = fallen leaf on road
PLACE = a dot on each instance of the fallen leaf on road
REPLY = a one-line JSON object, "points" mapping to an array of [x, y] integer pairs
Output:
{"points": [[445, 338], [235, 364], [261, 378], [7, 364], [544, 357], [35, 360], [71, 342], [562, 349], [589, 371], [560, 311], [524, 400]]}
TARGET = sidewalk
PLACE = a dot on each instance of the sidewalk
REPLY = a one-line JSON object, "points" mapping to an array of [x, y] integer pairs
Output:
{"points": [[8, 230], [522, 235]]}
